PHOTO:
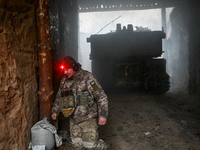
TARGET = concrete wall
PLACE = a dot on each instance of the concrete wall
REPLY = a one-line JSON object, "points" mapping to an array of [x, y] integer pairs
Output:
{"points": [[177, 49], [18, 73]]}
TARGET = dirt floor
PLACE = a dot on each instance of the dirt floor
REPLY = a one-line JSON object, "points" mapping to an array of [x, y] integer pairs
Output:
{"points": [[142, 121]]}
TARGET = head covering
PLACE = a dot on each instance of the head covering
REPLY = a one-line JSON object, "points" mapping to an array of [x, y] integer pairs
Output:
{"points": [[70, 62]]}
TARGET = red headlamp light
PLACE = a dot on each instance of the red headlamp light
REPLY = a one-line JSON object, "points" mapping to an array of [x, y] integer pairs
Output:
{"points": [[65, 66], [62, 67]]}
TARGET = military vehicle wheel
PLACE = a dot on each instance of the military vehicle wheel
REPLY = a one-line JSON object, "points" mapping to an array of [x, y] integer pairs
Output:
{"points": [[163, 87], [163, 83]]}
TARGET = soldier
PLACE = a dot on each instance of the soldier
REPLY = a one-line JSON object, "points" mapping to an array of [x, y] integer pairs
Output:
{"points": [[81, 98]]}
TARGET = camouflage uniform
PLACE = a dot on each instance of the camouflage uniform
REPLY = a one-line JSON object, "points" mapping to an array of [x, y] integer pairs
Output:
{"points": [[83, 123]]}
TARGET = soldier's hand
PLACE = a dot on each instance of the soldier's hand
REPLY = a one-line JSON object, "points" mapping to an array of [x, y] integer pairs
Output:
{"points": [[102, 121], [54, 116]]}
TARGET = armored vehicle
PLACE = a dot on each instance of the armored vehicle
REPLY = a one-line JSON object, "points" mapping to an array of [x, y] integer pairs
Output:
{"points": [[127, 57]]}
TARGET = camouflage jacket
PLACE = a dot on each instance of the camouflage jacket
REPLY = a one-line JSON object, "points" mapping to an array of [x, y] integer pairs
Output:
{"points": [[84, 80]]}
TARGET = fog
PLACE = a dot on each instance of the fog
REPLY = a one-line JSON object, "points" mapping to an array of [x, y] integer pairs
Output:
{"points": [[175, 45], [105, 22]]}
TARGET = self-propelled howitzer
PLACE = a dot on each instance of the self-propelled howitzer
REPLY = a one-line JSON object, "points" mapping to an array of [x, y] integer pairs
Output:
{"points": [[127, 57]]}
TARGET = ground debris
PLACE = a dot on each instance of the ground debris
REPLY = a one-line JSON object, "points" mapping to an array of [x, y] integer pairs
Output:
{"points": [[139, 121]]}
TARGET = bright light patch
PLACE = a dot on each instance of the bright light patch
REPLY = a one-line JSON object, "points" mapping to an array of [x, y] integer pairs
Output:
{"points": [[62, 67], [93, 22]]}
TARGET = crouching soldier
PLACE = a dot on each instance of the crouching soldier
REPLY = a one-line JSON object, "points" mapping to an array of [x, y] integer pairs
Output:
{"points": [[81, 98]]}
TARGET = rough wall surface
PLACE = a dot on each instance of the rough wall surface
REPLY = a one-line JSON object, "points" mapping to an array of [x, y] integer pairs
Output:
{"points": [[68, 27], [177, 50], [194, 48], [18, 79], [64, 34]]}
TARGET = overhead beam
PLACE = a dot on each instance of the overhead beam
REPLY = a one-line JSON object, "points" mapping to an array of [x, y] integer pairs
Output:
{"points": [[117, 5]]}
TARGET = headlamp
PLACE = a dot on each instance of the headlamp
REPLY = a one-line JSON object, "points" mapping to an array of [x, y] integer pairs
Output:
{"points": [[62, 67], [65, 66]]}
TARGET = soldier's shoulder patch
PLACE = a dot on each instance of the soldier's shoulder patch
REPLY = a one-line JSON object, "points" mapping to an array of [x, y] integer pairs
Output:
{"points": [[94, 85]]}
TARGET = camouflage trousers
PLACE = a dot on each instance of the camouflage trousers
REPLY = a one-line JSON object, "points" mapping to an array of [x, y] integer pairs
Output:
{"points": [[85, 135]]}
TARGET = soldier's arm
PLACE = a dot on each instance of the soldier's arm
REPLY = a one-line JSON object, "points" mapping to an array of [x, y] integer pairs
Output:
{"points": [[56, 106], [100, 96]]}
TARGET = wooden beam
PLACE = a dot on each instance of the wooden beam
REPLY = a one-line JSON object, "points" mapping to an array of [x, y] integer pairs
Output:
{"points": [[90, 5], [45, 59]]}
